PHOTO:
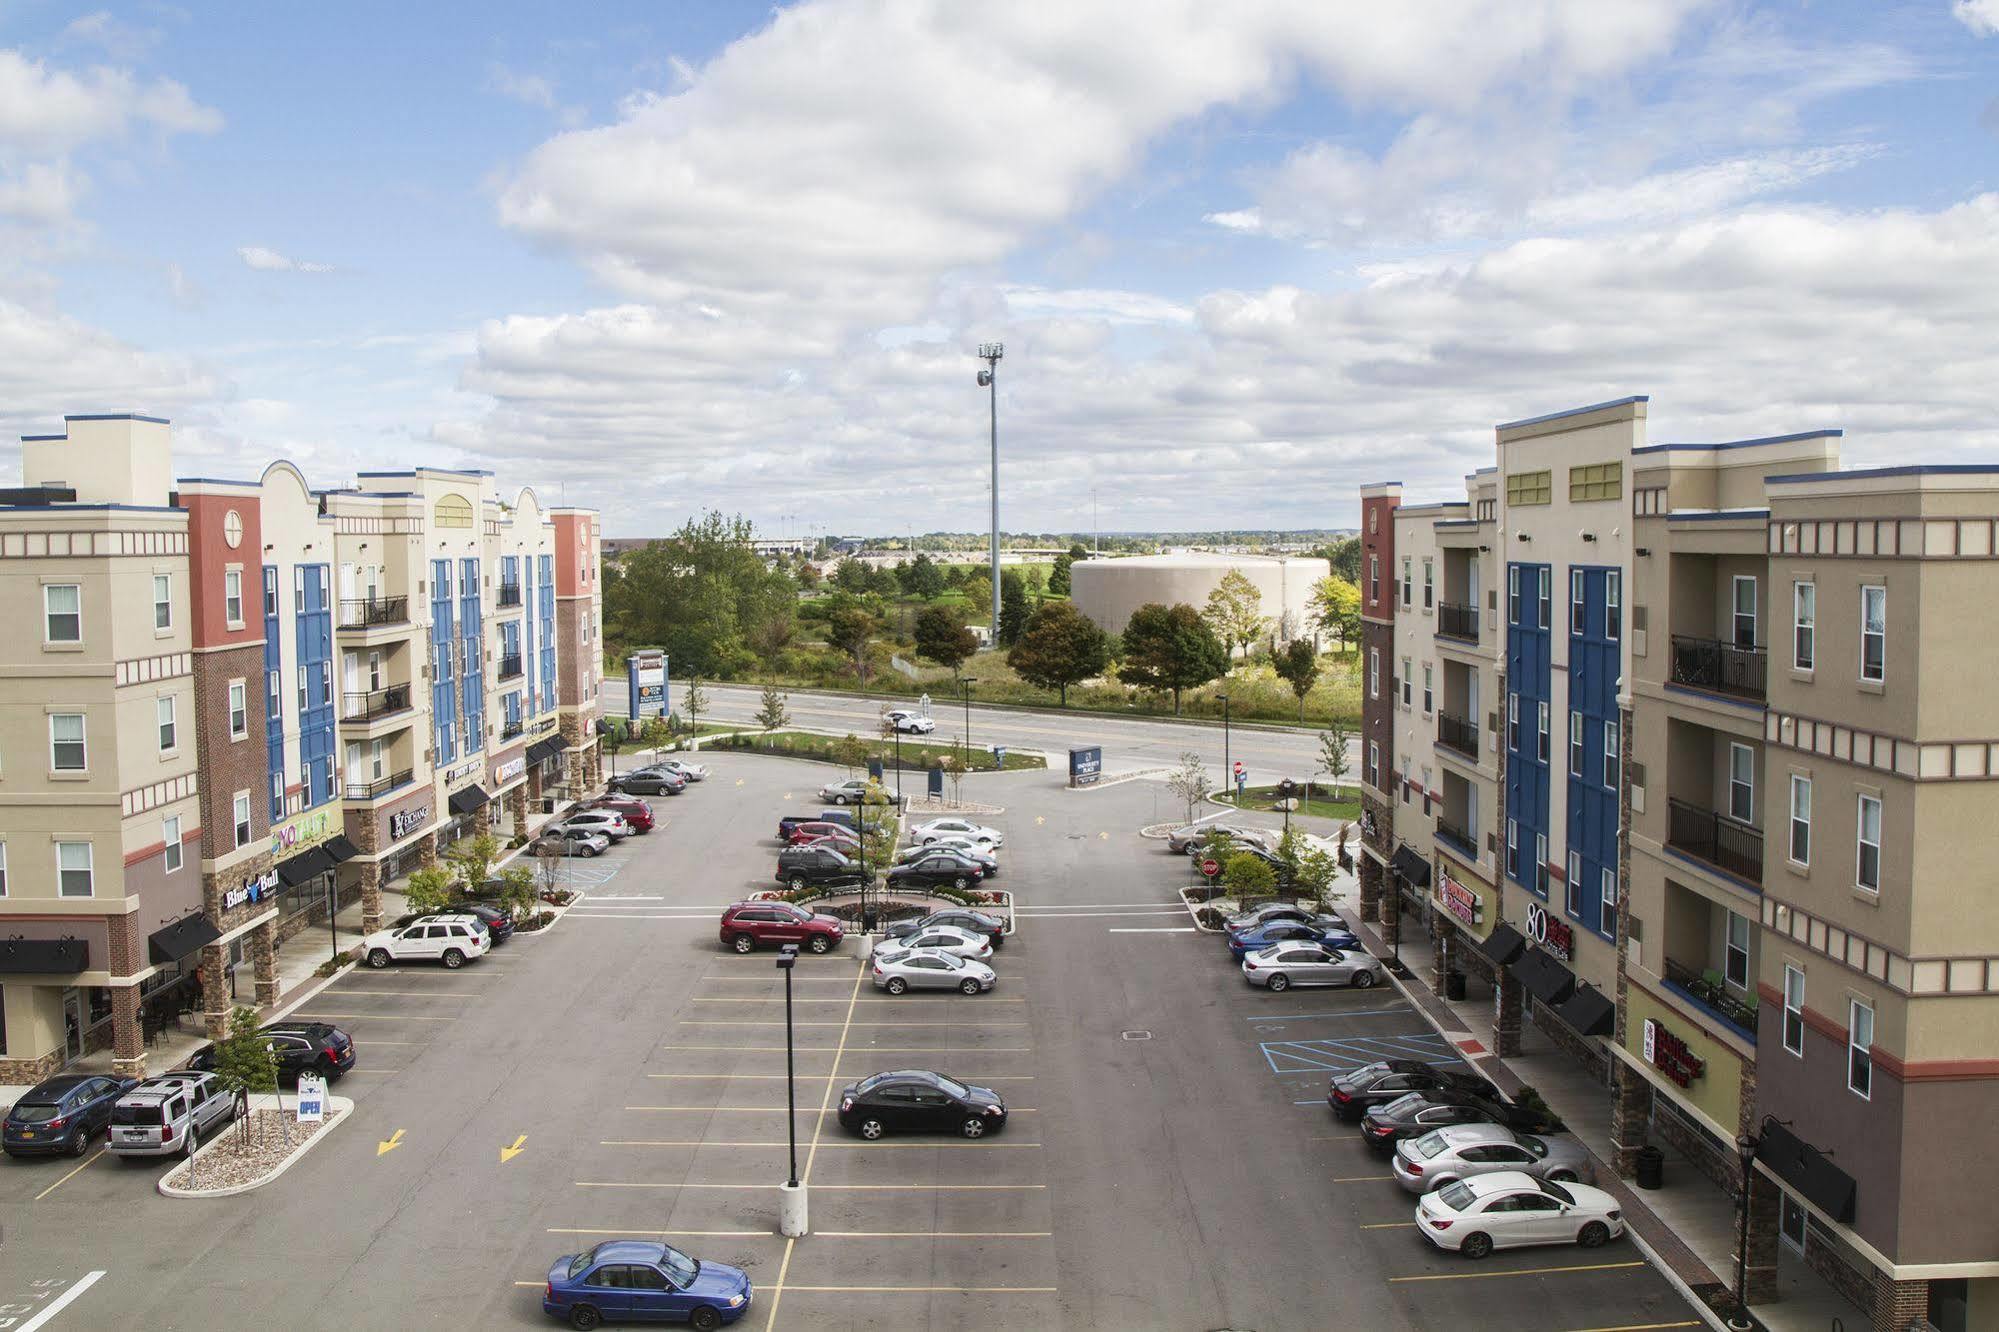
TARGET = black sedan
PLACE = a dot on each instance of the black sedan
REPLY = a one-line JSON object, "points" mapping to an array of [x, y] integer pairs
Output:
{"points": [[1354, 1093], [1416, 1113], [62, 1114], [938, 869], [301, 1047], [915, 1101], [961, 918]]}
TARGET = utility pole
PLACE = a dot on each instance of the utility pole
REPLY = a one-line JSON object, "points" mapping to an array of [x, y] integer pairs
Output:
{"points": [[990, 353]]}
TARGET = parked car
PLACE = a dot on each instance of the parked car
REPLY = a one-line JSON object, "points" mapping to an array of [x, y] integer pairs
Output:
{"points": [[499, 924], [1416, 1113], [1186, 839], [644, 1281], [844, 818], [649, 781], [978, 853], [1286, 875], [1271, 912], [1354, 1093], [1331, 937], [851, 792], [570, 842], [453, 940], [693, 772], [301, 1047], [606, 821], [909, 723], [818, 865], [963, 918], [1282, 966], [746, 926], [942, 939], [636, 813], [937, 829], [938, 868], [1446, 1155], [900, 969], [1509, 1209], [156, 1117], [812, 830], [917, 1101], [62, 1114]]}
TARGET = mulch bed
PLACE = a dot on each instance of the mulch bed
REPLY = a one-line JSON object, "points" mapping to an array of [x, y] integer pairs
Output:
{"points": [[235, 1162]]}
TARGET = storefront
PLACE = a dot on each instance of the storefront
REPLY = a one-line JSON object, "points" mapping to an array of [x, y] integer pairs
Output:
{"points": [[508, 813], [399, 830], [545, 770], [1697, 1076], [464, 804], [1574, 1015], [1409, 878]]}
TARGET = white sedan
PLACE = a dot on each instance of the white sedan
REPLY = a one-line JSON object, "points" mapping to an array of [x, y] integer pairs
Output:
{"points": [[909, 723], [900, 969], [693, 772], [1508, 1209], [941, 938], [938, 829]]}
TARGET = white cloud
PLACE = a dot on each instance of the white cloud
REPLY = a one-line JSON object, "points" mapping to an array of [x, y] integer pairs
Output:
{"points": [[1692, 191], [118, 39], [183, 290], [270, 261], [530, 89], [1981, 16], [1112, 307], [45, 111]]}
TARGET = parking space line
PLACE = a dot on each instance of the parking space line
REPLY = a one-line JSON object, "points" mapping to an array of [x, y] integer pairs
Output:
{"points": [[823, 1188], [1359, 1179], [779, 1109], [870, 1049], [702, 1234], [802, 1077], [907, 999], [918, 1290], [774, 1146], [72, 1174], [1644, 1327], [1167, 929], [414, 994], [942, 1234], [1358, 1012], [779, 1022], [1388, 1225], [1517, 1271], [374, 1017], [62, 1301]]}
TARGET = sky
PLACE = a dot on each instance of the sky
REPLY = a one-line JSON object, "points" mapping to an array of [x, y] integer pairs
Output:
{"points": [[1244, 258]]}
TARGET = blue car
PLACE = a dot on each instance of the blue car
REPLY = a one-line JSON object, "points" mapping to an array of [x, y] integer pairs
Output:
{"points": [[1283, 931], [641, 1281], [62, 1114]]}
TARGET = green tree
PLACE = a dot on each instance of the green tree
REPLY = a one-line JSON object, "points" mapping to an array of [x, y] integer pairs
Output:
{"points": [[1060, 647], [1058, 577], [1013, 607], [1245, 876], [1335, 604], [1345, 555], [428, 890], [925, 580], [1190, 782], [696, 594], [771, 714], [850, 752], [851, 576], [1235, 611], [656, 734], [695, 701], [1333, 758], [517, 890], [979, 594], [1298, 666], [473, 857], [850, 629], [245, 1064], [1314, 877], [1171, 647], [941, 638]]}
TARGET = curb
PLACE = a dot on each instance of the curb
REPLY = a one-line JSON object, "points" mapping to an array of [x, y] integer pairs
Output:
{"points": [[1119, 779], [339, 1105], [310, 994], [1194, 912]]}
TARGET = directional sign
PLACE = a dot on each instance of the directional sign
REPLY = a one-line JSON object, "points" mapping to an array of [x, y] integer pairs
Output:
{"points": [[395, 1140], [509, 1153], [1241, 780]]}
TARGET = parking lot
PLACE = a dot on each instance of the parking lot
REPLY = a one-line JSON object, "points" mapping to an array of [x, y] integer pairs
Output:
{"points": [[1169, 1161]]}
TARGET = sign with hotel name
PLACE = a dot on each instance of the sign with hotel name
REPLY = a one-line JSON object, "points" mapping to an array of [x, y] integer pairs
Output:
{"points": [[1459, 900], [406, 821], [452, 776], [512, 768], [250, 890], [1670, 1055], [309, 828], [1553, 935]]}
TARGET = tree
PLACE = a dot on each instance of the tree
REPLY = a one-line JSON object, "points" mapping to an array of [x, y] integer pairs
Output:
{"points": [[697, 595], [1333, 758], [1013, 608], [473, 858], [656, 734], [517, 890], [1314, 875], [1077, 552], [1245, 876], [428, 890], [1060, 647], [548, 867], [979, 592], [1058, 578], [1190, 782], [1345, 557], [1171, 647], [849, 629], [1335, 606], [771, 714], [695, 700], [953, 768], [851, 576], [1298, 666], [245, 1064], [924, 579], [1235, 610], [850, 752], [942, 639]]}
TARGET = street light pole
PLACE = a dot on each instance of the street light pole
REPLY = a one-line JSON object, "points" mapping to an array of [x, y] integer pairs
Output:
{"points": [[965, 685], [1228, 769], [791, 1209], [1745, 1150], [990, 353]]}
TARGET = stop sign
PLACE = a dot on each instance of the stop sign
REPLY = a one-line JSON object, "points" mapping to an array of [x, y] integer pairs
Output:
{"points": [[1211, 868]]}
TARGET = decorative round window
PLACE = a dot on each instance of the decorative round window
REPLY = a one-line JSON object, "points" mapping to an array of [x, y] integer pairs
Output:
{"points": [[232, 528]]}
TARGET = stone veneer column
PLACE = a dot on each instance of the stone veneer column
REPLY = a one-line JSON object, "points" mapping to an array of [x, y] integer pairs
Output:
{"points": [[215, 990], [128, 1039], [1630, 1118], [1443, 955], [1759, 1277], [517, 807], [426, 850], [1370, 888], [1898, 1303], [371, 896], [1507, 998], [263, 950], [482, 820], [1391, 909]]}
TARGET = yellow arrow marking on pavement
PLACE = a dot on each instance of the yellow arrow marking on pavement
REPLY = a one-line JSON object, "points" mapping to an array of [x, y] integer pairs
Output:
{"points": [[509, 1153], [1103, 837], [1040, 819], [395, 1141], [739, 781]]}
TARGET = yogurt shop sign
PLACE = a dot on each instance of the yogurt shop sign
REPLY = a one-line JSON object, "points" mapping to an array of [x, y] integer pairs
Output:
{"points": [[313, 826]]}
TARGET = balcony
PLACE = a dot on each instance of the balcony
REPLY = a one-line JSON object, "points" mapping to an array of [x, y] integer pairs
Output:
{"points": [[1720, 668], [1456, 620], [1459, 733], [1734, 848], [375, 790], [1706, 991], [369, 612], [510, 595], [376, 703], [510, 667], [1462, 840]]}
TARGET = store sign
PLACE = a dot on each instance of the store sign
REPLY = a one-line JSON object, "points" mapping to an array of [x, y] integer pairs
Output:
{"points": [[1367, 824], [1553, 935], [308, 829], [453, 776], [512, 768], [404, 822], [251, 890], [1671, 1055], [1459, 900], [1086, 764], [311, 1099]]}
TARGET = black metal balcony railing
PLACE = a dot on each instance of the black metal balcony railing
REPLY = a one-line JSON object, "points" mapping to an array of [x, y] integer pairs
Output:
{"points": [[1463, 839], [1722, 668], [375, 790], [377, 703], [1707, 990], [1455, 620], [1734, 847], [510, 729], [1459, 733], [364, 612], [510, 666], [510, 595]]}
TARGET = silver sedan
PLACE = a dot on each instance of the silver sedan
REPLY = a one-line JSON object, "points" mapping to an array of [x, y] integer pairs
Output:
{"points": [[1442, 1155], [1284, 965], [900, 969], [941, 939]]}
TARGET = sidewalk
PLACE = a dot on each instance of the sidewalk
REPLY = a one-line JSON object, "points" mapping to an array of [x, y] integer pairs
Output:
{"points": [[1690, 1222]]}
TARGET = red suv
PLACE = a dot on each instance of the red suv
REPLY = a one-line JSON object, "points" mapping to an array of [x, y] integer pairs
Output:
{"points": [[637, 813], [746, 925]]}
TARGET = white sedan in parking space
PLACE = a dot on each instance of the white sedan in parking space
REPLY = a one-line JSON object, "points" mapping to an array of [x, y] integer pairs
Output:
{"points": [[1508, 1209], [693, 772], [900, 969], [938, 829], [909, 723], [943, 939]]}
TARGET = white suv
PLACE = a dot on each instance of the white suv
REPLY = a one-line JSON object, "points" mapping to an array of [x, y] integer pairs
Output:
{"points": [[606, 821], [909, 723], [156, 1117], [452, 940]]}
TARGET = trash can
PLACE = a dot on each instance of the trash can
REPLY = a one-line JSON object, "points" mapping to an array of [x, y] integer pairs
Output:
{"points": [[1454, 986], [869, 919], [1650, 1169]]}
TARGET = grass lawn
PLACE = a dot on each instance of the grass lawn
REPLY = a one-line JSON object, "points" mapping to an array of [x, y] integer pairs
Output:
{"points": [[1265, 798], [916, 755]]}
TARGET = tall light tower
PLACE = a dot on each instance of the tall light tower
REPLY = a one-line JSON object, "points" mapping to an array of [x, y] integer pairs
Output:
{"points": [[990, 353]]}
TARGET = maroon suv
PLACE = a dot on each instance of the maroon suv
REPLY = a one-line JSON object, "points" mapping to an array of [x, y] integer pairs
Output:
{"points": [[746, 925]]}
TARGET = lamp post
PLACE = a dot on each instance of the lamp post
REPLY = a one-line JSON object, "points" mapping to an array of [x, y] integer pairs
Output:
{"points": [[990, 353], [1745, 1150], [1228, 769], [965, 684], [791, 1209]]}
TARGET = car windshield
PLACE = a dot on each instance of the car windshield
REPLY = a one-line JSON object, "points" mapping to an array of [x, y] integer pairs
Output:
{"points": [[1557, 1192], [950, 960], [1534, 1145], [1456, 1196], [955, 1088], [796, 912], [680, 1269], [32, 1114], [581, 1262], [1365, 1076], [1429, 1145]]}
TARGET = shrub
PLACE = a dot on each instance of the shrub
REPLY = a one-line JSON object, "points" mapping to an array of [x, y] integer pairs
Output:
{"points": [[1211, 918]]}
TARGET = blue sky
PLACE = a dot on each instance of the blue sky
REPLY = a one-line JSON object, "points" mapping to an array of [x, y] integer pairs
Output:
{"points": [[1244, 258]]}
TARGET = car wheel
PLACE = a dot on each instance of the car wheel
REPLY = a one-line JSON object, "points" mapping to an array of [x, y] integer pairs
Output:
{"points": [[896, 985], [746, 943], [1478, 1244], [378, 958], [839, 800], [871, 1129], [1593, 1235], [973, 1127], [585, 1317], [704, 1319], [961, 883], [820, 943], [1279, 982], [969, 987], [453, 958], [1561, 1176], [1363, 980], [798, 883], [81, 1143]]}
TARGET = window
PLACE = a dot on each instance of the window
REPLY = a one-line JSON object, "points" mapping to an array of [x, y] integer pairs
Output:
{"points": [[1513, 721], [270, 592], [1541, 864], [1613, 602], [1607, 919], [1741, 783], [74, 877], [1406, 587], [1374, 764], [1513, 848], [276, 708], [374, 671], [1794, 1011], [168, 736], [325, 684], [163, 601], [1575, 883], [1596, 481], [298, 589], [1405, 779], [1867, 869], [1373, 574], [1546, 580], [3, 893], [1530, 487], [62, 613], [1575, 744], [67, 751], [1735, 955], [1745, 612], [170, 834], [1429, 695], [232, 595], [1859, 1040], [1373, 521], [1804, 625], [239, 710], [1374, 672], [241, 813], [1429, 585], [1611, 750], [1513, 594], [1576, 601], [1408, 682], [1801, 820], [1873, 633], [1543, 750], [1791, 1223]]}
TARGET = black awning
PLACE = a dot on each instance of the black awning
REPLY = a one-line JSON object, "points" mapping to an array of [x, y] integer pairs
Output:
{"points": [[44, 957], [304, 867], [1806, 1169], [1545, 978], [542, 750], [176, 941], [339, 850], [1589, 1012], [1415, 870], [1503, 944], [470, 800]]}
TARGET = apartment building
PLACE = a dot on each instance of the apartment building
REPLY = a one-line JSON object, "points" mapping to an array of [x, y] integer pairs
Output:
{"points": [[1416, 781], [1379, 592]]}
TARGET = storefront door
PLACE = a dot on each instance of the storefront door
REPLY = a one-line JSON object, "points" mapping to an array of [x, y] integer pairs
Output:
{"points": [[72, 1024]]}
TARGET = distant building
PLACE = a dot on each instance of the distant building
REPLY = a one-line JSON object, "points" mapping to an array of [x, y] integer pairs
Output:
{"points": [[1109, 590]]}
